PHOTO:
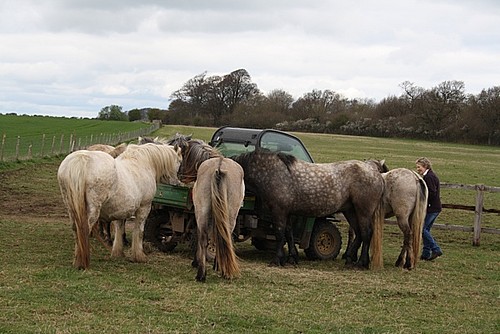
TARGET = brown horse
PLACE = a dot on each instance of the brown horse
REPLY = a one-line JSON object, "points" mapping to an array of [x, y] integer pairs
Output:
{"points": [[405, 197], [218, 193], [291, 186]]}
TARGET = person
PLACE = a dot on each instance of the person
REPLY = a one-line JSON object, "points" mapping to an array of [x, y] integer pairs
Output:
{"points": [[431, 249]]}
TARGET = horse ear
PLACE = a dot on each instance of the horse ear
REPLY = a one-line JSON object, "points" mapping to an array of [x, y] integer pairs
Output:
{"points": [[189, 137], [382, 162]]}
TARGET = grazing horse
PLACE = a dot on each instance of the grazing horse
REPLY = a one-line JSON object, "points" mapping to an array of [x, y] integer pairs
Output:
{"points": [[291, 186], [405, 197], [95, 186], [218, 192]]}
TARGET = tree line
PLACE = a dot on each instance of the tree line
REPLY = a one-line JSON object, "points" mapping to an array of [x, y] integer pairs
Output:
{"points": [[444, 112]]}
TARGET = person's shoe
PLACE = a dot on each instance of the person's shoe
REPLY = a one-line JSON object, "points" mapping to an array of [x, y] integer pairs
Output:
{"points": [[435, 255], [426, 258]]}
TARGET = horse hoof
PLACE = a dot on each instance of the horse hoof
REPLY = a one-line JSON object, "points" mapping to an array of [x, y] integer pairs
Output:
{"points": [[201, 279], [273, 264]]}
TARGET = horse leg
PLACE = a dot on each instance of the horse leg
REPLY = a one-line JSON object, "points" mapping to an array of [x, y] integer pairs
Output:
{"points": [[280, 226], [366, 235], [293, 254], [141, 214], [351, 254], [406, 248], [201, 249], [117, 250], [350, 240]]}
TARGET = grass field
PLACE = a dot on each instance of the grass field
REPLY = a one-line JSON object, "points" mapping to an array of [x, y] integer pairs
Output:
{"points": [[40, 292], [35, 130]]}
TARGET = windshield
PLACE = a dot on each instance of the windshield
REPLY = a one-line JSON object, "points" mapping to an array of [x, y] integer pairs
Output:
{"points": [[233, 149], [277, 142]]}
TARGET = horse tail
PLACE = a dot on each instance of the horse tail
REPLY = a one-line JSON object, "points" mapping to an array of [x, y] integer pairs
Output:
{"points": [[417, 218], [225, 257], [72, 184], [377, 235]]}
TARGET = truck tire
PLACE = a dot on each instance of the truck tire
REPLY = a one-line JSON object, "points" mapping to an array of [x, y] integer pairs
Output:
{"points": [[325, 242], [153, 232]]}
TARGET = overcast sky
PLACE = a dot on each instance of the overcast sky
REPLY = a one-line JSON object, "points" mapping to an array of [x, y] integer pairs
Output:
{"points": [[72, 58]]}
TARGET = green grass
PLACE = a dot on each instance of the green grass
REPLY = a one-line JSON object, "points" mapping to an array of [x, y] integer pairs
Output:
{"points": [[55, 133], [40, 292]]}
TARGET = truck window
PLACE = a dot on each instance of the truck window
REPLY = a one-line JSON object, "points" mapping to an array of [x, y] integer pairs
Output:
{"points": [[232, 149], [278, 142]]}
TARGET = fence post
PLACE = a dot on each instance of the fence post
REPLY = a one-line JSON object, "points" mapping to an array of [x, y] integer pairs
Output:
{"points": [[43, 146], [477, 214], [62, 143], [53, 145], [3, 145], [17, 147]]}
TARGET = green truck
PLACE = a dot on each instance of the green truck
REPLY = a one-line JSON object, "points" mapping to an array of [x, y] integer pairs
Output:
{"points": [[172, 219]]}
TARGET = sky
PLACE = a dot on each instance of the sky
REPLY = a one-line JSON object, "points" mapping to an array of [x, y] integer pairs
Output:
{"points": [[72, 58]]}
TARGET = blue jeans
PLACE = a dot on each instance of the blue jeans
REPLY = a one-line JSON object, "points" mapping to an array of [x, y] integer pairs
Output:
{"points": [[430, 245]]}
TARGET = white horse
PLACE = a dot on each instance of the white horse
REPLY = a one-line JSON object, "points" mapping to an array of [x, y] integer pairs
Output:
{"points": [[95, 186], [405, 197]]}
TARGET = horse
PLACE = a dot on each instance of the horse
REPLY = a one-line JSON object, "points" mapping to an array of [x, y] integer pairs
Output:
{"points": [[111, 150], [105, 227], [288, 186], [405, 197], [218, 192], [95, 186]]}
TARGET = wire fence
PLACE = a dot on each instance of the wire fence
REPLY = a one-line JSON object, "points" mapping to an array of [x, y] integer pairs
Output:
{"points": [[19, 148]]}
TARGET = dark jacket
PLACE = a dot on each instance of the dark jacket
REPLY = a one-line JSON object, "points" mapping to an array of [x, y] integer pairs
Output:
{"points": [[434, 201]]}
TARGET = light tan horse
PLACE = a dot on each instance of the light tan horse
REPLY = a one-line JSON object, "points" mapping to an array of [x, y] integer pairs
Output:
{"points": [[111, 150], [95, 186], [405, 197], [218, 194]]}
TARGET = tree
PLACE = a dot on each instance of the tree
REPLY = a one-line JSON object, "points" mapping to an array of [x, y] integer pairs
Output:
{"points": [[216, 96], [279, 101], [318, 104], [486, 114], [134, 115], [442, 105], [112, 113]]}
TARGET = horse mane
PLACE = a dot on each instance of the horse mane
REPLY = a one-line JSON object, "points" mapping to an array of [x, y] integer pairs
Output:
{"points": [[378, 164], [156, 140], [165, 165], [194, 153], [245, 158]]}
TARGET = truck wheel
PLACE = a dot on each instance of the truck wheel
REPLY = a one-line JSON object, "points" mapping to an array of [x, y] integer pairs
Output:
{"points": [[325, 241], [153, 232]]}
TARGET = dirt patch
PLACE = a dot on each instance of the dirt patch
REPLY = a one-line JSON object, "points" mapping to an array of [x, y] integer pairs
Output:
{"points": [[31, 191]]}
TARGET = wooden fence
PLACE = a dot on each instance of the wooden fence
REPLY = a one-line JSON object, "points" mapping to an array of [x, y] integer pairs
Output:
{"points": [[477, 208], [55, 145]]}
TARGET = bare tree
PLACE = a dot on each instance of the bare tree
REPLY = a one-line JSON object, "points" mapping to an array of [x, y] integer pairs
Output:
{"points": [[487, 114]]}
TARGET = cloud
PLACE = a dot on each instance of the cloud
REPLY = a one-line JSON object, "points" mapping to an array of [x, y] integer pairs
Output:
{"points": [[74, 57]]}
